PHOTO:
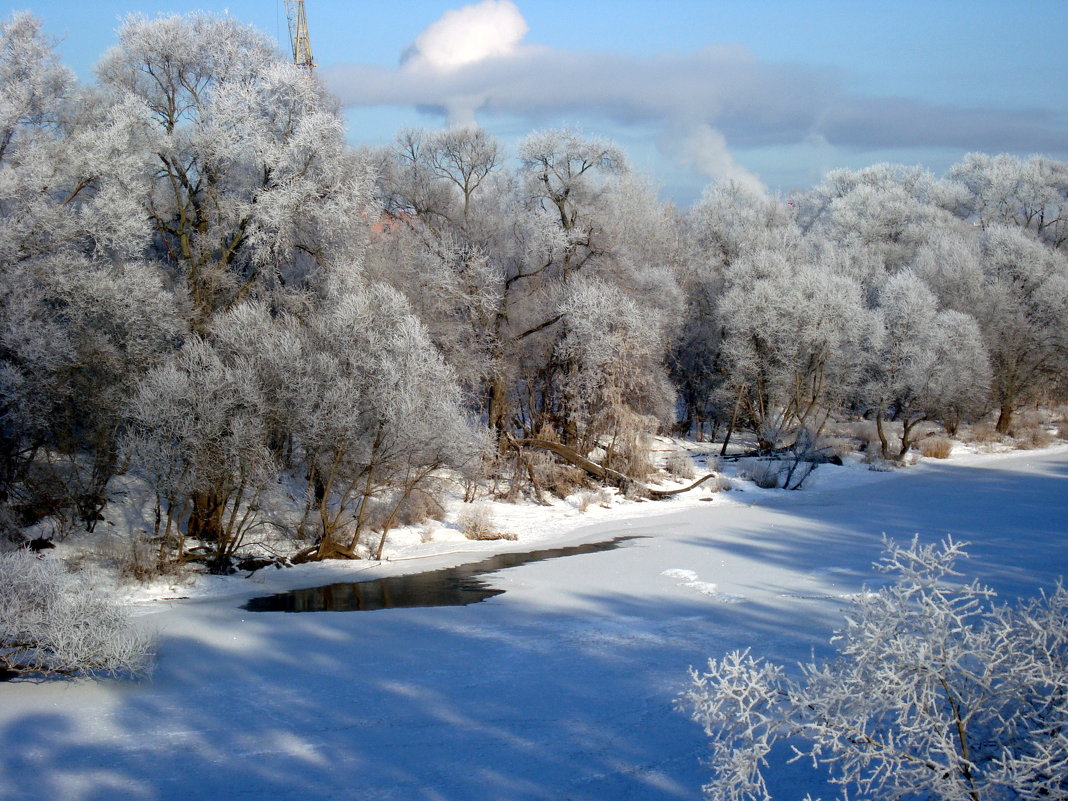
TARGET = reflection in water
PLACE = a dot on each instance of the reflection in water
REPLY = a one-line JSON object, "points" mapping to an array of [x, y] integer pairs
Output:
{"points": [[454, 586]]}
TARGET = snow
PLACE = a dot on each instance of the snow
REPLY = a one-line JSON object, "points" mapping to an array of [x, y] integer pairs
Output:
{"points": [[560, 688]]}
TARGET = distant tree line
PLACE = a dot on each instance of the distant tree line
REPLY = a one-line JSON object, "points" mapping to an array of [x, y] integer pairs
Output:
{"points": [[203, 285]]}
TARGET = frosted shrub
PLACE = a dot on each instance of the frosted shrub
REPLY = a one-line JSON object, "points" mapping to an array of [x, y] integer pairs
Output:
{"points": [[426, 530], [476, 523], [1026, 439], [761, 472], [53, 621], [680, 465], [559, 479], [582, 502], [601, 497], [937, 693], [720, 484]]}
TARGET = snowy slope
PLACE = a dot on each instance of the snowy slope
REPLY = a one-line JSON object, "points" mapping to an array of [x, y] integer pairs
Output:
{"points": [[561, 688]]}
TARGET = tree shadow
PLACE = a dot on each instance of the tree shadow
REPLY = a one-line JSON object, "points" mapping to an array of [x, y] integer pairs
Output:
{"points": [[463, 703]]}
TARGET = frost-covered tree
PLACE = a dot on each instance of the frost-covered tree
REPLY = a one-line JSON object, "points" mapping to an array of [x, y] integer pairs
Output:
{"points": [[377, 413], [1006, 190], [951, 265], [605, 224], [196, 431], [791, 345], [1022, 315], [80, 316], [925, 363], [68, 175], [486, 257], [937, 693], [877, 218], [254, 187], [75, 337], [611, 357], [695, 357], [567, 174], [448, 243], [731, 221]]}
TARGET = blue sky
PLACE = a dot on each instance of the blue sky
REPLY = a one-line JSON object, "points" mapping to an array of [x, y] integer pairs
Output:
{"points": [[768, 92]]}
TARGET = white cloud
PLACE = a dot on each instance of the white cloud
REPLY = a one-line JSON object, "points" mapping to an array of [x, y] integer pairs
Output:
{"points": [[466, 35]]}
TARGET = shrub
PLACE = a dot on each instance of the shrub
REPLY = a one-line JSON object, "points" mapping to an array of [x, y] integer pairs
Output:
{"points": [[936, 447], [559, 479], [981, 434], [426, 531], [937, 693], [628, 449], [418, 506], [132, 559], [55, 622], [840, 446], [680, 465], [601, 497], [1031, 438], [476, 522], [762, 472]]}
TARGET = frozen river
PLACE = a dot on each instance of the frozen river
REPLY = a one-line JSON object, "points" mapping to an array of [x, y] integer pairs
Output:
{"points": [[559, 688]]}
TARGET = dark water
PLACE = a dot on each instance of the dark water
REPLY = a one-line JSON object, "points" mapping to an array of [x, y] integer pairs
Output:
{"points": [[453, 586]]}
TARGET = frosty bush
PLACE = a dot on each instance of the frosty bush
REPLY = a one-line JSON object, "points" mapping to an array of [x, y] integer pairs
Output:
{"points": [[52, 621], [476, 523], [937, 693], [680, 465], [1026, 439], [601, 497], [762, 472]]}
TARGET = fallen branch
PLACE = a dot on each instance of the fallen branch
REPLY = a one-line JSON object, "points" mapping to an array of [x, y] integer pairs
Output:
{"points": [[621, 480], [658, 494]]}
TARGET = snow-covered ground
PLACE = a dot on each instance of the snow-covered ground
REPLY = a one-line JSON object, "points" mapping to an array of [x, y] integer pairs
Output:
{"points": [[560, 688]]}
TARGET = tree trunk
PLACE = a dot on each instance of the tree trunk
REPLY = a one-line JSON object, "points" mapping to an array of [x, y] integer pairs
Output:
{"points": [[1004, 418], [734, 420], [885, 446]]}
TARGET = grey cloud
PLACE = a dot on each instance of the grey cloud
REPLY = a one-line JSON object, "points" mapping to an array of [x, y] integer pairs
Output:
{"points": [[752, 102]]}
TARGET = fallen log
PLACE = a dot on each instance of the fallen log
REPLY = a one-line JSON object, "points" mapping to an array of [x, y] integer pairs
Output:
{"points": [[616, 478]]}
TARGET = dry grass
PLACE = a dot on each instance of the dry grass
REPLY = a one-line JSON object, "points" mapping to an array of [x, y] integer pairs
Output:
{"points": [[628, 450], [133, 559], [426, 531], [936, 447], [840, 446], [1031, 418]]}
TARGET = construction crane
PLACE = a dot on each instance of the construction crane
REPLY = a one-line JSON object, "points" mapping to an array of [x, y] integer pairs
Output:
{"points": [[298, 34]]}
